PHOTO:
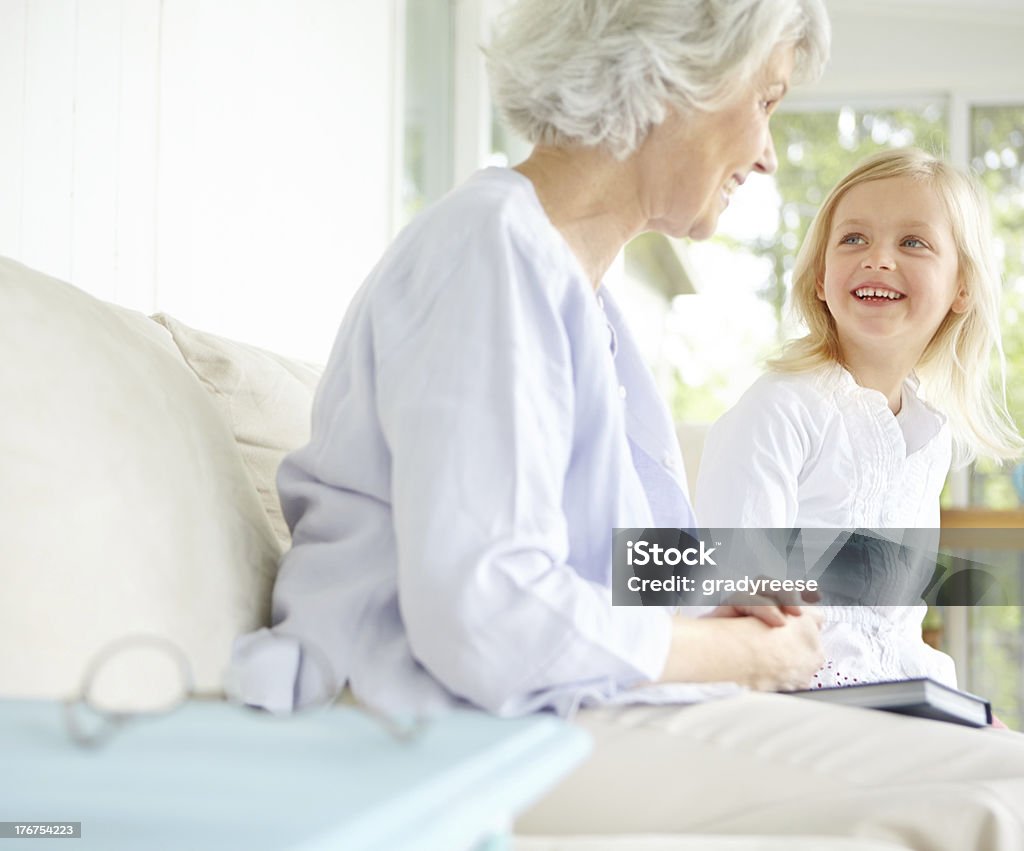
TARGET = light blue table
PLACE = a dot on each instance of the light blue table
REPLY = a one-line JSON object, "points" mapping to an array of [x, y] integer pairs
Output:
{"points": [[213, 776]]}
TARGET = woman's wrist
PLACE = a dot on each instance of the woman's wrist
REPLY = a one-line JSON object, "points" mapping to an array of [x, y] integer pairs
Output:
{"points": [[746, 651], [709, 650]]}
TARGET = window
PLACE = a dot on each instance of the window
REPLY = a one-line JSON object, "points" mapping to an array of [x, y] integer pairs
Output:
{"points": [[996, 152], [426, 163], [985, 639]]}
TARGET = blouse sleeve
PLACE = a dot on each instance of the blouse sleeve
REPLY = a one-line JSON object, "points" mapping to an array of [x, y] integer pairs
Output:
{"points": [[475, 392], [751, 463]]}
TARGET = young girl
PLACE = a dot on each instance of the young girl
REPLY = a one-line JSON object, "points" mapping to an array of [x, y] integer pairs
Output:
{"points": [[897, 284]]}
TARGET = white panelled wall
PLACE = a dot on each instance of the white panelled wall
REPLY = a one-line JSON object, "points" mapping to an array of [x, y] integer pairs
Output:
{"points": [[227, 161]]}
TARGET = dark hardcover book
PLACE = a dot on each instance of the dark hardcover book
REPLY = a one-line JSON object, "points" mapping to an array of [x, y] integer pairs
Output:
{"points": [[923, 698]]}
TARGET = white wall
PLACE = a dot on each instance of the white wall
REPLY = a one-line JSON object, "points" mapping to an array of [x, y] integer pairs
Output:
{"points": [[968, 47], [227, 161]]}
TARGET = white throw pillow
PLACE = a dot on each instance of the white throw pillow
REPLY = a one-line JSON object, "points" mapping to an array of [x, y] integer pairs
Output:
{"points": [[125, 505], [266, 399]]}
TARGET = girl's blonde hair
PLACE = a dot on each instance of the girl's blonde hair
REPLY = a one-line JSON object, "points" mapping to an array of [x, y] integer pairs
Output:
{"points": [[954, 367]]}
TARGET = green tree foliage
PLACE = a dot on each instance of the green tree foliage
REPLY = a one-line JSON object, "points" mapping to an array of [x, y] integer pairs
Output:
{"points": [[996, 657], [997, 152]]}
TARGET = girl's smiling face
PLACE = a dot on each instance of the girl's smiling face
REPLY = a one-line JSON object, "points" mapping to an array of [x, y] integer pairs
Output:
{"points": [[891, 270]]}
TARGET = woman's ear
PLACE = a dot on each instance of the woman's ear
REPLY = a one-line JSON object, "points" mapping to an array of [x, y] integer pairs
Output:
{"points": [[961, 302], [819, 289]]}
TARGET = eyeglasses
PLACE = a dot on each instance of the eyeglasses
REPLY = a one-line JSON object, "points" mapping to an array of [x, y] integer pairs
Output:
{"points": [[144, 676]]}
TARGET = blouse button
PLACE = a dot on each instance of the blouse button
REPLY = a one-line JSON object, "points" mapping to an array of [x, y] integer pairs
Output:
{"points": [[622, 391]]}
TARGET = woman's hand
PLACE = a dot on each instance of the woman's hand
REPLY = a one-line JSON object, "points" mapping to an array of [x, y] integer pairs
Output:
{"points": [[786, 656], [745, 650], [771, 608]]}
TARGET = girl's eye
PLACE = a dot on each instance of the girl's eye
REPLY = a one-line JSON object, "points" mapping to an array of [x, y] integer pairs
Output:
{"points": [[914, 242], [853, 239]]}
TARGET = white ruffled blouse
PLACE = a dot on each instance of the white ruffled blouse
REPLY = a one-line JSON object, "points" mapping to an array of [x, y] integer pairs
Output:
{"points": [[816, 450]]}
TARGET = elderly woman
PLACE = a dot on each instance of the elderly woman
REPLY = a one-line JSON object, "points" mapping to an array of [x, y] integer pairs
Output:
{"points": [[485, 421]]}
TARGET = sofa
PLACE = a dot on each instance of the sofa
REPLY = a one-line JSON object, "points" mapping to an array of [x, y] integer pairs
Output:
{"points": [[137, 495]]}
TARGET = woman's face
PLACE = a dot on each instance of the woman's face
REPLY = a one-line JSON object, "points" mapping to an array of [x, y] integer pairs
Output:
{"points": [[691, 164]]}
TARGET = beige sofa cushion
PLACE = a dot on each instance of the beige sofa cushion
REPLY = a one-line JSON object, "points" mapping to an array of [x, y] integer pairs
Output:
{"points": [[125, 505], [264, 397]]}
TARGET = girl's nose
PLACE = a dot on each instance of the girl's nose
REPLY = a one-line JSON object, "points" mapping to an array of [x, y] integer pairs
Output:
{"points": [[878, 259]]}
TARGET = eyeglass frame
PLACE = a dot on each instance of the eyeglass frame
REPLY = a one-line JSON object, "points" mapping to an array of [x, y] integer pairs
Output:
{"points": [[113, 720]]}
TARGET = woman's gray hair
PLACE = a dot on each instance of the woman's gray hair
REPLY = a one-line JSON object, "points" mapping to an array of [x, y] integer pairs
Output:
{"points": [[602, 72]]}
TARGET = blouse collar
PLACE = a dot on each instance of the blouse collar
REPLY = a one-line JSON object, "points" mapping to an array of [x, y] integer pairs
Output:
{"points": [[917, 423]]}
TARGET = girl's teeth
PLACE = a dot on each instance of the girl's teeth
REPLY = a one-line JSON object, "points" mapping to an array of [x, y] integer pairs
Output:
{"points": [[872, 293]]}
